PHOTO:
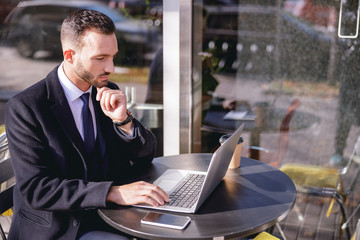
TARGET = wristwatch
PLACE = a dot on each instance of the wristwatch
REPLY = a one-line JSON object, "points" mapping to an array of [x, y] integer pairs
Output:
{"points": [[126, 121]]}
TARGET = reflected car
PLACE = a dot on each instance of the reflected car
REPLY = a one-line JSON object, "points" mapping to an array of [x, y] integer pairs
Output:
{"points": [[259, 41], [35, 25], [139, 7]]}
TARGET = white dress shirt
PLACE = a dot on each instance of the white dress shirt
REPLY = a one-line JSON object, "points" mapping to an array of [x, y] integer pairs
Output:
{"points": [[73, 95]]}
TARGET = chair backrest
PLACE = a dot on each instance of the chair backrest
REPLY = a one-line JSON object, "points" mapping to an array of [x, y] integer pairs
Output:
{"points": [[7, 179], [6, 174], [276, 159], [284, 127], [356, 235], [352, 168], [4, 147], [284, 132]]}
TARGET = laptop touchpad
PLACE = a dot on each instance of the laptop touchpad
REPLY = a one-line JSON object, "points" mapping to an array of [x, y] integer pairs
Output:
{"points": [[167, 185]]}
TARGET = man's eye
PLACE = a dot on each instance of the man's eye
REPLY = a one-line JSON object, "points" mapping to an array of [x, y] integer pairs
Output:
{"points": [[100, 58]]}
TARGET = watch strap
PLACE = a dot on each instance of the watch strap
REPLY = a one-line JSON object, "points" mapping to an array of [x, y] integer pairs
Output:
{"points": [[126, 121]]}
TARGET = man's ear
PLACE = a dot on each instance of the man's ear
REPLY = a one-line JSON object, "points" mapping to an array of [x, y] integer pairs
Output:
{"points": [[68, 55]]}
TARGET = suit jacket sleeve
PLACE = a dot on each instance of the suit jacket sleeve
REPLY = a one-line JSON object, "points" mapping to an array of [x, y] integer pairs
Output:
{"points": [[40, 178], [47, 166], [141, 147]]}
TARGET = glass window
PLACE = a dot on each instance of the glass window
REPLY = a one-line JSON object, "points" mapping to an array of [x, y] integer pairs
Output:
{"points": [[262, 59]]}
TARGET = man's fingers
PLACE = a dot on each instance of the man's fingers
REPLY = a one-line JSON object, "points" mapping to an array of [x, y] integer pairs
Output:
{"points": [[113, 101], [156, 196], [154, 192], [100, 92], [138, 192], [163, 194], [109, 98], [150, 201], [106, 100], [150, 193]]}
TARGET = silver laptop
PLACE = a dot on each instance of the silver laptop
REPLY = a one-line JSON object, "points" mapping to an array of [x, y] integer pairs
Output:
{"points": [[189, 189]]}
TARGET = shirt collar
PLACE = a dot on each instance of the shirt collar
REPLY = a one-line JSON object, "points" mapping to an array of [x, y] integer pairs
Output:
{"points": [[71, 90]]}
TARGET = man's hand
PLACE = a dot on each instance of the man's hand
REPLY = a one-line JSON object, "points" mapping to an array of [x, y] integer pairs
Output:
{"points": [[114, 105], [136, 193]]}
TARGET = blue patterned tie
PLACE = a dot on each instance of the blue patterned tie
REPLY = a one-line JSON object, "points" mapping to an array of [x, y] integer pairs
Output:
{"points": [[88, 126]]}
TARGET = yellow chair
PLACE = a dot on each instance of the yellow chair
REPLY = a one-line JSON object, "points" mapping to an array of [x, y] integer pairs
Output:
{"points": [[356, 235], [7, 181], [265, 236], [327, 181]]}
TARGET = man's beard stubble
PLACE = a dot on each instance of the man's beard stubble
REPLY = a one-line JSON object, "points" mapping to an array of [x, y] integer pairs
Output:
{"points": [[87, 76]]}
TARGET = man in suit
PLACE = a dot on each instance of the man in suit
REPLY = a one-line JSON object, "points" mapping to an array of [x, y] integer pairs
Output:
{"points": [[72, 154]]}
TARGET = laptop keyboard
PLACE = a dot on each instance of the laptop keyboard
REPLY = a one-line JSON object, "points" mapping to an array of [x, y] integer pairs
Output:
{"points": [[187, 193]]}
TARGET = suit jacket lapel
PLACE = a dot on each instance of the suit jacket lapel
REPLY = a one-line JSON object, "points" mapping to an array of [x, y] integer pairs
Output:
{"points": [[62, 112]]}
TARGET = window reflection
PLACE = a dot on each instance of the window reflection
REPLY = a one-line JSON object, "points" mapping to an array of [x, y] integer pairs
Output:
{"points": [[255, 53], [266, 54]]}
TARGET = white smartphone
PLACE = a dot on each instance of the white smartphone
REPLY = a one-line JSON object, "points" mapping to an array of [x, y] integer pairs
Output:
{"points": [[166, 220]]}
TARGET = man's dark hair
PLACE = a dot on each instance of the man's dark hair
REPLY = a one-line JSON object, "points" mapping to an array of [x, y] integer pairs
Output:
{"points": [[74, 26]]}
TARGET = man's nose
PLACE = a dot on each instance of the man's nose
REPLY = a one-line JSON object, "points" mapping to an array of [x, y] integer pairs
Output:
{"points": [[110, 68]]}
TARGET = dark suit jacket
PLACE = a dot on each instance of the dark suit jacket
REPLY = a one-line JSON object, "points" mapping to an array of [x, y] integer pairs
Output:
{"points": [[51, 194]]}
